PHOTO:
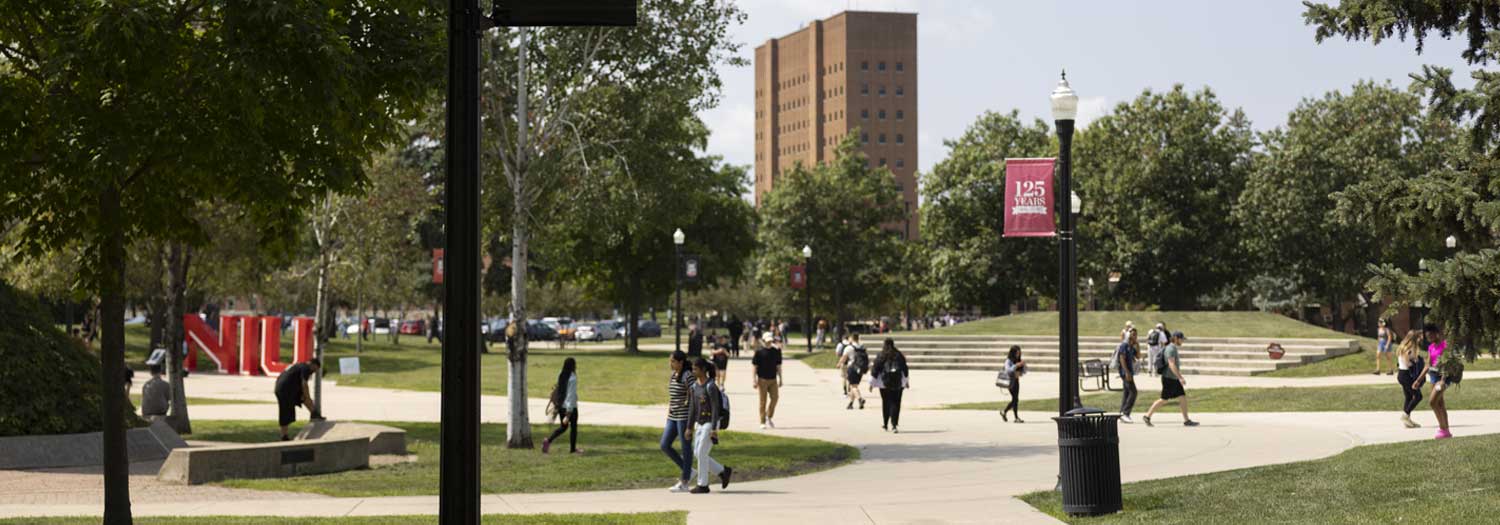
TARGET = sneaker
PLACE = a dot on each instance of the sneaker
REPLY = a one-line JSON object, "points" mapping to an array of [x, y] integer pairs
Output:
{"points": [[1147, 419], [1125, 418], [700, 489], [1190, 423], [1005, 416], [1443, 434], [850, 407], [895, 430], [770, 423], [762, 426], [546, 445], [681, 486], [724, 477], [861, 403], [884, 428], [1018, 419], [1407, 422]]}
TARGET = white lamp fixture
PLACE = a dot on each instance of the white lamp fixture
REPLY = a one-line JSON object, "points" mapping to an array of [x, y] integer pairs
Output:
{"points": [[678, 237], [1077, 204], [1064, 101], [1451, 241], [1114, 277], [806, 251]]}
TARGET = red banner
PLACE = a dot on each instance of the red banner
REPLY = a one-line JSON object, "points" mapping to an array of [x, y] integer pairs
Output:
{"points": [[1028, 198], [799, 277], [437, 266]]}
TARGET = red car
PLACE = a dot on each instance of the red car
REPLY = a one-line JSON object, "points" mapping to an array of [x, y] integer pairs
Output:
{"points": [[417, 327]]}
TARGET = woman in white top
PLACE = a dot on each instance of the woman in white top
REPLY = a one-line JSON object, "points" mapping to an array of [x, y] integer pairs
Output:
{"points": [[1409, 361], [565, 398]]}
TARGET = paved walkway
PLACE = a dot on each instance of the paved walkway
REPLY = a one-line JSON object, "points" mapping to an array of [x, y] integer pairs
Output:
{"points": [[945, 466]]}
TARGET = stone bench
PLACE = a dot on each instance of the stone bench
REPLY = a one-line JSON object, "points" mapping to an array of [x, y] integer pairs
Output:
{"points": [[281, 459], [383, 439], [84, 450]]}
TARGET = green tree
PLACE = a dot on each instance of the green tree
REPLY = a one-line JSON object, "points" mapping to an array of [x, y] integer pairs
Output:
{"points": [[1458, 192], [963, 219], [1288, 212], [119, 116], [842, 209], [1156, 176]]}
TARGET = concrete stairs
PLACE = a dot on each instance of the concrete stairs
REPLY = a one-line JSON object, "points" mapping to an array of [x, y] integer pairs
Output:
{"points": [[1234, 356]]}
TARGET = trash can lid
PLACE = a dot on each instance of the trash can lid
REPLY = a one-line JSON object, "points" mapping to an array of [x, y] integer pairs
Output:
{"points": [[1083, 411]]}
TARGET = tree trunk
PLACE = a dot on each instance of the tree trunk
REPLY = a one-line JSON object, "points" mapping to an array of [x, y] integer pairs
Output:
{"points": [[518, 431], [359, 321], [633, 315], [179, 261], [112, 354]]}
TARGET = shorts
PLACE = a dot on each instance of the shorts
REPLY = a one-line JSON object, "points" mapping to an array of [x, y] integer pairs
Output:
{"points": [[287, 410], [1433, 377], [1385, 347], [854, 378], [1171, 388]]}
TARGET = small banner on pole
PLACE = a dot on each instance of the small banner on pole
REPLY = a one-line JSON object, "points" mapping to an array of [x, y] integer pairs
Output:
{"points": [[799, 277], [437, 266], [1028, 198], [692, 266]]}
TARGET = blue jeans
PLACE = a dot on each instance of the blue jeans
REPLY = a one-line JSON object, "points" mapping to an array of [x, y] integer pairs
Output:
{"points": [[677, 431]]}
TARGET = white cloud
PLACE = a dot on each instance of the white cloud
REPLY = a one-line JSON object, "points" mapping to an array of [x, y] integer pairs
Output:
{"points": [[733, 128], [1091, 108]]}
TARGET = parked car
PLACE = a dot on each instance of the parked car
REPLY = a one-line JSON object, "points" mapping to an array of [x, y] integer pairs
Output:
{"points": [[539, 331], [373, 326], [607, 330], [414, 327], [647, 328], [562, 325], [495, 329], [585, 332]]}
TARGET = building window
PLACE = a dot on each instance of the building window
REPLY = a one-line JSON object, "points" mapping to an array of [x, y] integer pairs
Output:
{"points": [[900, 139], [900, 115], [900, 91], [900, 67], [864, 137], [882, 162], [882, 66], [882, 91], [864, 114], [882, 138], [900, 163], [864, 89], [864, 66], [882, 114]]}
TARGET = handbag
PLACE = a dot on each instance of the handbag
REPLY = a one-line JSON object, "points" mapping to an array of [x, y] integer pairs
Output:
{"points": [[1002, 379]]}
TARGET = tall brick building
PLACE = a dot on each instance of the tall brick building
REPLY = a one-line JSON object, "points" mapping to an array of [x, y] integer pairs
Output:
{"points": [[855, 72]]}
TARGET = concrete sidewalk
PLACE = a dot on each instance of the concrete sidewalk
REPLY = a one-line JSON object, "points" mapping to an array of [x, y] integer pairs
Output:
{"points": [[946, 466]]}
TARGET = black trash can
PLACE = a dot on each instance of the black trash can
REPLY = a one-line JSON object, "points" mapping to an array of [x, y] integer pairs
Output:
{"points": [[1088, 443]]}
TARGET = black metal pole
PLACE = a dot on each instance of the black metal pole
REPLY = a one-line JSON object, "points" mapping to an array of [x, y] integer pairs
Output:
{"points": [[677, 311], [458, 481], [1067, 286], [807, 326]]}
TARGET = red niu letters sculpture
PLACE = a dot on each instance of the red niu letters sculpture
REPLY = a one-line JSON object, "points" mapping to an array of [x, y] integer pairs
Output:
{"points": [[246, 345]]}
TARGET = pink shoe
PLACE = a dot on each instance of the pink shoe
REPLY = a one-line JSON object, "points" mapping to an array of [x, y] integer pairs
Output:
{"points": [[546, 445], [1443, 434]]}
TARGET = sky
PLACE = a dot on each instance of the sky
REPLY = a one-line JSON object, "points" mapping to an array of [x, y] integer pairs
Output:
{"points": [[999, 55]]}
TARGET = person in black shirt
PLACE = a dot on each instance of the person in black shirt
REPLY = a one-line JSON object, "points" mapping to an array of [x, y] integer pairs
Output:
{"points": [[695, 342], [736, 330], [292, 390], [894, 377], [767, 365]]}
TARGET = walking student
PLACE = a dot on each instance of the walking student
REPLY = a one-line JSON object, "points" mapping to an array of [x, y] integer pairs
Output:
{"points": [[894, 378], [695, 341], [704, 403], [1015, 367], [1125, 358], [1155, 340], [1409, 362], [1436, 346], [292, 390], [855, 362], [565, 398], [767, 369], [1385, 344], [676, 430], [839, 350], [720, 358], [1172, 382]]}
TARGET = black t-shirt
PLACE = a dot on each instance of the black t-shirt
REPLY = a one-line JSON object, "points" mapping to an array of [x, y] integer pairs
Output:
{"points": [[766, 360], [289, 384], [695, 345]]}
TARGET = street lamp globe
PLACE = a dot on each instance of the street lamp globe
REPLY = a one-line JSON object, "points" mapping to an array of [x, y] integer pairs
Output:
{"points": [[1077, 204], [806, 251], [1451, 241], [1064, 101], [678, 237]]}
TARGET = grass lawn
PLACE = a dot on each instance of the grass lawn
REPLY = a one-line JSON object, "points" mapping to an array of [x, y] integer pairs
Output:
{"points": [[614, 458], [1392, 483], [819, 359], [1474, 394], [652, 518], [135, 400], [604, 375]]}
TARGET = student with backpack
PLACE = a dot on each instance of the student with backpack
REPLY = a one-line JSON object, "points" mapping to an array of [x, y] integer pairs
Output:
{"points": [[855, 362], [1172, 382], [894, 378], [705, 404], [1156, 339], [564, 406], [839, 350]]}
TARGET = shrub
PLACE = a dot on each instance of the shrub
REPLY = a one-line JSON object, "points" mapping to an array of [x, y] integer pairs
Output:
{"points": [[49, 382]]}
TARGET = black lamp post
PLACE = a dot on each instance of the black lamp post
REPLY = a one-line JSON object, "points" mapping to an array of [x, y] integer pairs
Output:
{"points": [[1064, 110], [807, 291], [677, 239]]}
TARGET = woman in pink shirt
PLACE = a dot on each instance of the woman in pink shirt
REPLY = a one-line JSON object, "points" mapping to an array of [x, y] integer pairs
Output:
{"points": [[1435, 348]]}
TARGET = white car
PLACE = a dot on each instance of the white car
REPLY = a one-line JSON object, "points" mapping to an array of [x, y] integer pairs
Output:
{"points": [[585, 332]]}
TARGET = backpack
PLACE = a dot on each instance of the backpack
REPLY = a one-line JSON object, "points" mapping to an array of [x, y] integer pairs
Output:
{"points": [[723, 410], [892, 373], [861, 362], [1161, 361], [1154, 339]]}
